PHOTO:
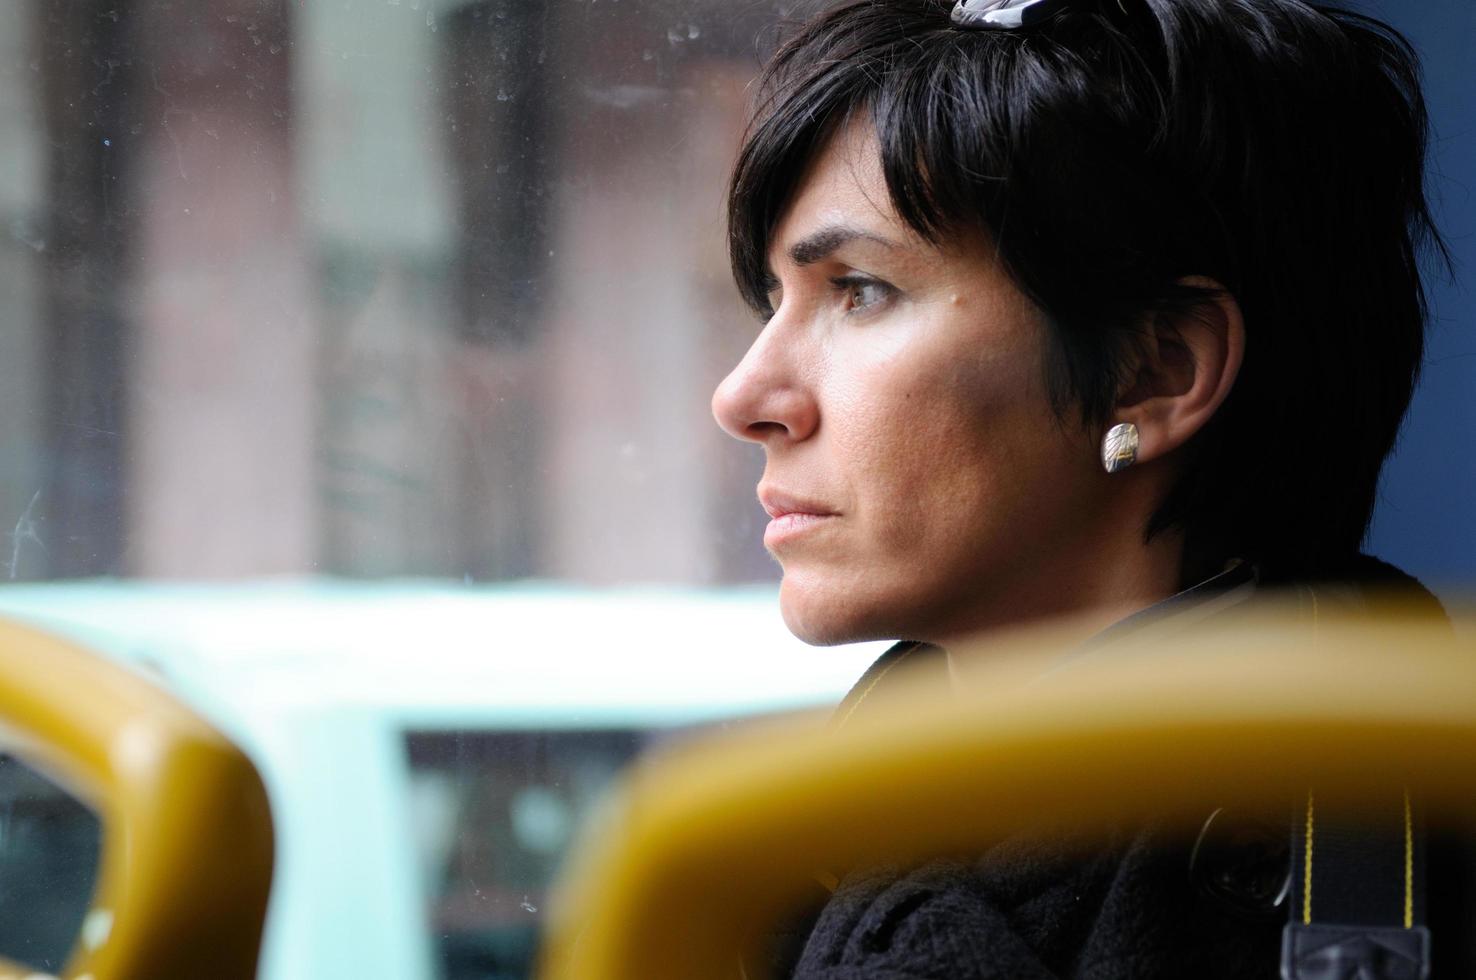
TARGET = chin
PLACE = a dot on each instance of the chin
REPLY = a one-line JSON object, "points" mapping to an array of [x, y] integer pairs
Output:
{"points": [[822, 620]]}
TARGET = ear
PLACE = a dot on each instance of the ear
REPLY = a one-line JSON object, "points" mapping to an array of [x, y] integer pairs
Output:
{"points": [[1186, 367]]}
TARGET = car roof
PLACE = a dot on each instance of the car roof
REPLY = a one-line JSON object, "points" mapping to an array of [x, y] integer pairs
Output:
{"points": [[527, 653]]}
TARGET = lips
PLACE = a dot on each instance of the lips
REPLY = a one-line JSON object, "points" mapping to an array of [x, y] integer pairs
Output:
{"points": [[779, 504], [791, 515]]}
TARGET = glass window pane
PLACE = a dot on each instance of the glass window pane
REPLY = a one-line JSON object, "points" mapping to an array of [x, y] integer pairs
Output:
{"points": [[354, 349], [494, 813], [50, 844]]}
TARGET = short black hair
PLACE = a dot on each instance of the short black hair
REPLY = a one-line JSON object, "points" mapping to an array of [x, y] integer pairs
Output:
{"points": [[1270, 145]]}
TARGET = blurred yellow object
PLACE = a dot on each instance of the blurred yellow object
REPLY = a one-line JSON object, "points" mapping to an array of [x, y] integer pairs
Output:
{"points": [[187, 835], [705, 847]]}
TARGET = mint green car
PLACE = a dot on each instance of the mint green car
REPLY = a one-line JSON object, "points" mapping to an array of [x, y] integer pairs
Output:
{"points": [[428, 751]]}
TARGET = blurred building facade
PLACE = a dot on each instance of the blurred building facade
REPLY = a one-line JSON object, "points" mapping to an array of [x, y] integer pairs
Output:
{"points": [[378, 287], [438, 288]]}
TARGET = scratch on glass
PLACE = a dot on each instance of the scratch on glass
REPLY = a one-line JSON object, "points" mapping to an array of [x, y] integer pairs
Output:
{"points": [[25, 530]]}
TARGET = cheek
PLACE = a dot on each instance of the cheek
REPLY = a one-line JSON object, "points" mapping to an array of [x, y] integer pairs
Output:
{"points": [[946, 459], [924, 448]]}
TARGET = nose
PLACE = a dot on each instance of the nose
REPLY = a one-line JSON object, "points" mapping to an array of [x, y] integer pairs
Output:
{"points": [[766, 398]]}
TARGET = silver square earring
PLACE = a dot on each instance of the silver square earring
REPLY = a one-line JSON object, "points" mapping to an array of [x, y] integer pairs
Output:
{"points": [[1120, 447]]}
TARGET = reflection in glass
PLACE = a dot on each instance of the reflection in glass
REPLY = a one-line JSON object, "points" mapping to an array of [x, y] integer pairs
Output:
{"points": [[49, 849]]}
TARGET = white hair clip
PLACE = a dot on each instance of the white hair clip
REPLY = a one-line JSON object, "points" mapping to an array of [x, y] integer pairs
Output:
{"points": [[1003, 15]]}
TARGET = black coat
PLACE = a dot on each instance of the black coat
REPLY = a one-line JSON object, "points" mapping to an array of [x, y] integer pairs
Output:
{"points": [[1036, 907]]}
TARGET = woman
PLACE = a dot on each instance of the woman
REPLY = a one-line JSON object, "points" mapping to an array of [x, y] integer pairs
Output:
{"points": [[1069, 306]]}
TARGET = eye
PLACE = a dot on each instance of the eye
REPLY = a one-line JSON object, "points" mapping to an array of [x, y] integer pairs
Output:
{"points": [[774, 295], [863, 293]]}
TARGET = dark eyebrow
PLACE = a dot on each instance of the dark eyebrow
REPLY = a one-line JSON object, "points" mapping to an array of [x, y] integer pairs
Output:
{"points": [[819, 245]]}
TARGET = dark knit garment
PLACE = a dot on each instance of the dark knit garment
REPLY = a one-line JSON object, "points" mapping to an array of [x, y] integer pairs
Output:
{"points": [[1027, 911], [1035, 907]]}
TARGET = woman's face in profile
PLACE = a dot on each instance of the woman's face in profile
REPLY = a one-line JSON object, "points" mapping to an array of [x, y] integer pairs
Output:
{"points": [[918, 482]]}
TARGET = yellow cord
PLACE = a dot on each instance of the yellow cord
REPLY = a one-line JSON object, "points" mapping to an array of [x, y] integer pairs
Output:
{"points": [[1307, 868], [1408, 865]]}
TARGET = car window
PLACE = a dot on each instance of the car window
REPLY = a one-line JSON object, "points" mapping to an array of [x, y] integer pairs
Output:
{"points": [[494, 814], [50, 843]]}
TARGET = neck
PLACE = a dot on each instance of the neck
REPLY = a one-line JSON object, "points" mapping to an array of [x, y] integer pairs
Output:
{"points": [[1086, 589]]}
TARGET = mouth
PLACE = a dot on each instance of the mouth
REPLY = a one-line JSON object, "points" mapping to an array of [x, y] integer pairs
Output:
{"points": [[791, 516]]}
